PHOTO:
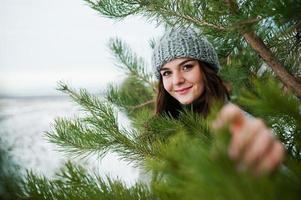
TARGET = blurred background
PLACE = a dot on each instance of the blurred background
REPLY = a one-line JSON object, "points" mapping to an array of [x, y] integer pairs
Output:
{"points": [[46, 41]]}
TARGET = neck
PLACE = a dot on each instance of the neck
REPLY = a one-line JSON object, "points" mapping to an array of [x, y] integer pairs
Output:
{"points": [[194, 106]]}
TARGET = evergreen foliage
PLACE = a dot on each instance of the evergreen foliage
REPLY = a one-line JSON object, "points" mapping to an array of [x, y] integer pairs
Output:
{"points": [[74, 182], [184, 158], [211, 175], [130, 62], [188, 162], [128, 99], [10, 176], [96, 132], [273, 26], [280, 110]]}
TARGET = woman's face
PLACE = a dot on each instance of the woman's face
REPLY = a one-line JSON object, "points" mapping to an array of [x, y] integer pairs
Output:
{"points": [[183, 79]]}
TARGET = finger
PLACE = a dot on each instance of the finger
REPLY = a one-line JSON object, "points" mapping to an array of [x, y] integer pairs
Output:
{"points": [[261, 145], [240, 142], [229, 114], [271, 160]]}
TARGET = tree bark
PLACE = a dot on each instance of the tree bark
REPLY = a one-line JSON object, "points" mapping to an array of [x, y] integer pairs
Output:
{"points": [[287, 79]]}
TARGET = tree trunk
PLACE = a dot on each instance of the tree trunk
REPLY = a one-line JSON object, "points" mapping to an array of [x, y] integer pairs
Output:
{"points": [[287, 79]]}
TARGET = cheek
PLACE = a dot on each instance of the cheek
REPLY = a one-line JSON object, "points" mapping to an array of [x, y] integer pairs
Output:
{"points": [[200, 86], [167, 85]]}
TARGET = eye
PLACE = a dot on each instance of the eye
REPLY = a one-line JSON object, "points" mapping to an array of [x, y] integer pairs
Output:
{"points": [[165, 73], [187, 67]]}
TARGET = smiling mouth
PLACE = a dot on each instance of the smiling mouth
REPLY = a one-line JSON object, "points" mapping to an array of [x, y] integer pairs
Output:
{"points": [[183, 90]]}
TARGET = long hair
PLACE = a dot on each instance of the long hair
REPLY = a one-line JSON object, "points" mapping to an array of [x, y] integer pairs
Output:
{"points": [[214, 91]]}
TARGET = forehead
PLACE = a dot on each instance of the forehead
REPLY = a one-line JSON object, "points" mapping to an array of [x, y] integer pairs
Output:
{"points": [[177, 62]]}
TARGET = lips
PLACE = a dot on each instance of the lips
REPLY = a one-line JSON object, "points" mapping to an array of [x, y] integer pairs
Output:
{"points": [[183, 90]]}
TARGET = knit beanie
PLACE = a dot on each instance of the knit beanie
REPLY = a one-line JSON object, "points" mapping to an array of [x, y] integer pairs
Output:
{"points": [[180, 43]]}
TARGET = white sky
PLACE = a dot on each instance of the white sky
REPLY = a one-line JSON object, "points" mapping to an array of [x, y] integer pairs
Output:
{"points": [[44, 41]]}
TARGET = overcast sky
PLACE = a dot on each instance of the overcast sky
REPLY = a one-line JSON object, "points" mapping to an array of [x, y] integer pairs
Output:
{"points": [[44, 41]]}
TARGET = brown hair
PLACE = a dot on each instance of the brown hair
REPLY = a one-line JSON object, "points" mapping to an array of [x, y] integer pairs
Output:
{"points": [[214, 91]]}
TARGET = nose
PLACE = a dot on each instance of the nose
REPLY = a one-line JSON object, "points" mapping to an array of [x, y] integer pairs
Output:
{"points": [[178, 78]]}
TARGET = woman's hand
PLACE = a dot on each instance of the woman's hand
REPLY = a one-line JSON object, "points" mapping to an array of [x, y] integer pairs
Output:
{"points": [[252, 145]]}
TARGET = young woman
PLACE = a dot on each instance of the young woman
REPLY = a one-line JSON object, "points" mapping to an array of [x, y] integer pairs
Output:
{"points": [[186, 65]]}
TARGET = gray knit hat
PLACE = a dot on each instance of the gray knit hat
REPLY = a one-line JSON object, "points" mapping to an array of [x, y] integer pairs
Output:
{"points": [[180, 43]]}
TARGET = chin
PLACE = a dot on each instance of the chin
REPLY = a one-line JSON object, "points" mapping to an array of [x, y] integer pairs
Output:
{"points": [[185, 102]]}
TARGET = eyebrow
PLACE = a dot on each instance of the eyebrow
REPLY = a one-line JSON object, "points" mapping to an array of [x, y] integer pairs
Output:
{"points": [[180, 64]]}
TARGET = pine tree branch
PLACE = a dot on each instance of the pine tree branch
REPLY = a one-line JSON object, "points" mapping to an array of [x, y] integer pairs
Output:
{"points": [[96, 132], [284, 41], [247, 22], [191, 168], [126, 98], [265, 53], [180, 15], [109, 8], [196, 21], [210, 25], [142, 104], [129, 61], [264, 100], [123, 9], [75, 183]]}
